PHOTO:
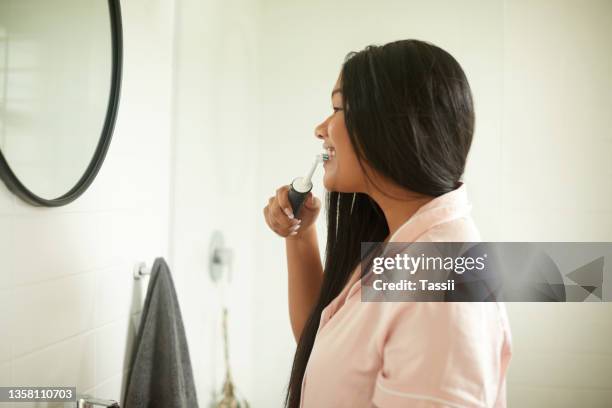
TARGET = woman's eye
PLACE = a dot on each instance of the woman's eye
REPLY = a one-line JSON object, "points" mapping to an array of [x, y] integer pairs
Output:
{"points": [[337, 109]]}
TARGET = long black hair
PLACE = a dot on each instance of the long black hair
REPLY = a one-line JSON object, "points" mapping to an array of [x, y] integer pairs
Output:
{"points": [[409, 114]]}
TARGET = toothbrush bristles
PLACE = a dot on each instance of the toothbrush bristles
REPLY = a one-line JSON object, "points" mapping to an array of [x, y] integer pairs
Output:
{"points": [[318, 158]]}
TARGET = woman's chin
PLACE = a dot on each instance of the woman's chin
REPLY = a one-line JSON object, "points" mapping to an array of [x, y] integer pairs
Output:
{"points": [[328, 181]]}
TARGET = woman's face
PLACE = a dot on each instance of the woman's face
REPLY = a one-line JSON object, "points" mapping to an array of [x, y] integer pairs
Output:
{"points": [[342, 171]]}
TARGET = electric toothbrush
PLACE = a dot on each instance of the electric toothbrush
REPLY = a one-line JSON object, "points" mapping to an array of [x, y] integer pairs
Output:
{"points": [[301, 186]]}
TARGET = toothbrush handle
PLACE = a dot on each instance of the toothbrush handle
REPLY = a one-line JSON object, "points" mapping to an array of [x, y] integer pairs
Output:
{"points": [[296, 199]]}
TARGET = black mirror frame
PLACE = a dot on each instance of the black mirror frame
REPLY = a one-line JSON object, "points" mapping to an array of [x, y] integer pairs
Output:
{"points": [[11, 180]]}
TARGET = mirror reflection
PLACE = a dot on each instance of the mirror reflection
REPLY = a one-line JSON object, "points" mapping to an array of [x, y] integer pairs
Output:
{"points": [[55, 75]]}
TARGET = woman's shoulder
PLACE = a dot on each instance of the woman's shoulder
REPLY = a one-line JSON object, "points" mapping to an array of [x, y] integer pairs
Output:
{"points": [[462, 229], [480, 329]]}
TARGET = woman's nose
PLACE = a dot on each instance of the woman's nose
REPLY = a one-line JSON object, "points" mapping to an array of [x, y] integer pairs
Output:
{"points": [[321, 131]]}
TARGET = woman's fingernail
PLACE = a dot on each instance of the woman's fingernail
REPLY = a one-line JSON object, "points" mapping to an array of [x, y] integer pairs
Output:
{"points": [[297, 227], [293, 233], [289, 213]]}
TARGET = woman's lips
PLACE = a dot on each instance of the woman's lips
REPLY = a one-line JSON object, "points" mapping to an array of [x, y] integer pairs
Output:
{"points": [[331, 152]]}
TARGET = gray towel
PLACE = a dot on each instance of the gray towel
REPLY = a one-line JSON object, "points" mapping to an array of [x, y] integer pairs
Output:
{"points": [[160, 371]]}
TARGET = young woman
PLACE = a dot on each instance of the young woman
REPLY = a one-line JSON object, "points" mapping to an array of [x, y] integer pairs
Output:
{"points": [[398, 139]]}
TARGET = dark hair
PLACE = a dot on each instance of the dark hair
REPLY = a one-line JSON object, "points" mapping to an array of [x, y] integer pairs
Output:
{"points": [[409, 114]]}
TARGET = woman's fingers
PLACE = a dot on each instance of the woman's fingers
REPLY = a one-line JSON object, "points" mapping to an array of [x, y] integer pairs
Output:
{"points": [[282, 197], [278, 214], [284, 206], [312, 202], [277, 218]]}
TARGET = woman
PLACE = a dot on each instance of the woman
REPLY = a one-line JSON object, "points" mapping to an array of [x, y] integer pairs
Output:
{"points": [[398, 139]]}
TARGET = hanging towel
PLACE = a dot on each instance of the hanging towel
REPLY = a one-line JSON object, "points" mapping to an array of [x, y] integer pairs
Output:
{"points": [[160, 374]]}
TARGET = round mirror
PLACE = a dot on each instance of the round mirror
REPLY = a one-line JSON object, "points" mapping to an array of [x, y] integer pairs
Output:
{"points": [[60, 73]]}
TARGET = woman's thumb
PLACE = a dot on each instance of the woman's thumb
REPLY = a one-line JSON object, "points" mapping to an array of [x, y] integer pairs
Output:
{"points": [[311, 202]]}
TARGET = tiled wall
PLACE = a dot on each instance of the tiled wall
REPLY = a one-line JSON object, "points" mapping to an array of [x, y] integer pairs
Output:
{"points": [[66, 290]]}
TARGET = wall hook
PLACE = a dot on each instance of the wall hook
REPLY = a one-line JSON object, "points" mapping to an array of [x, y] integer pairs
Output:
{"points": [[220, 257], [141, 270]]}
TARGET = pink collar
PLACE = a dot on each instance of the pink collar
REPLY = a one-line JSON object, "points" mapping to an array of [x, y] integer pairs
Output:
{"points": [[444, 208]]}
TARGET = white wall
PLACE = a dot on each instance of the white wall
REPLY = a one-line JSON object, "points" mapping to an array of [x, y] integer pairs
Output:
{"points": [[540, 74], [66, 289], [555, 177], [216, 159]]}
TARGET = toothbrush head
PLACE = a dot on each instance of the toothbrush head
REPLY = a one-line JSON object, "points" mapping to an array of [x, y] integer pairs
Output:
{"points": [[323, 157]]}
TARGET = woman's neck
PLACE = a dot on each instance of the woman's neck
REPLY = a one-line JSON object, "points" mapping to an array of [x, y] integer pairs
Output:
{"points": [[398, 205]]}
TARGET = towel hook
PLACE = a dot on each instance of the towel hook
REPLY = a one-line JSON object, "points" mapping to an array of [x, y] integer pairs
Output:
{"points": [[220, 257], [87, 401], [141, 270]]}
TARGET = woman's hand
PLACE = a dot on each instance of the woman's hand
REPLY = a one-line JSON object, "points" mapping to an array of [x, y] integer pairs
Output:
{"points": [[280, 218]]}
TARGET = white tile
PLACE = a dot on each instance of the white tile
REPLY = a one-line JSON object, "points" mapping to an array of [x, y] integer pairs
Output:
{"points": [[59, 244], [561, 327], [7, 251], [118, 294], [113, 344], [538, 397], [5, 374], [110, 389], [7, 316], [7, 200], [52, 311], [572, 175], [546, 225], [5, 381], [138, 236], [557, 127], [68, 363], [560, 369], [139, 181]]}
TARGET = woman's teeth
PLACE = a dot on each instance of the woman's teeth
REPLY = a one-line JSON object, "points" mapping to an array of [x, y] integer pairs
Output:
{"points": [[331, 152]]}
